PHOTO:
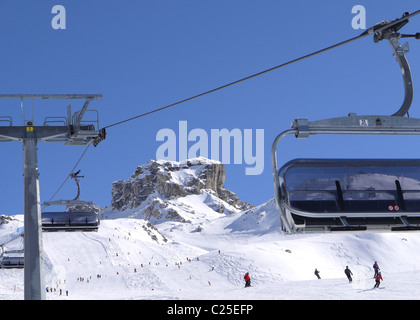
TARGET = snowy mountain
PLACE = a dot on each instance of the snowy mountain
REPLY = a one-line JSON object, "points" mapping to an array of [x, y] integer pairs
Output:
{"points": [[198, 242], [154, 185]]}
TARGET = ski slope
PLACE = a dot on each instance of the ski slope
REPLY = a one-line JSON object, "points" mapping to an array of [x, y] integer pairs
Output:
{"points": [[174, 260]]}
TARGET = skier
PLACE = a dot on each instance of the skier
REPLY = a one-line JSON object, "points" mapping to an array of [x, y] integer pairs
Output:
{"points": [[376, 268], [247, 279], [378, 279], [348, 273], [317, 273]]}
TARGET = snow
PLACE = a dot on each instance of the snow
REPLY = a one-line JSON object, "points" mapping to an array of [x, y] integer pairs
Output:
{"points": [[176, 261]]}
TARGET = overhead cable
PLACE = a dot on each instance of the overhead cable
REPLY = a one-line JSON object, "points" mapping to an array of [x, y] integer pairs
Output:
{"points": [[378, 28]]}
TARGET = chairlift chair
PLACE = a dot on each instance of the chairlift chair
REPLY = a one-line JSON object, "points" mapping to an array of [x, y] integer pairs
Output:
{"points": [[10, 262], [353, 194], [70, 220]]}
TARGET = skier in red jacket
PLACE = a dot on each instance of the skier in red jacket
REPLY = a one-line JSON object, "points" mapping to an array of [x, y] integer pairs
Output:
{"points": [[378, 279], [247, 279]]}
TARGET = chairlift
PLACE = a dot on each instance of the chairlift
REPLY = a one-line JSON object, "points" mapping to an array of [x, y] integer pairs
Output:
{"points": [[10, 262], [71, 219], [12, 258], [353, 194]]}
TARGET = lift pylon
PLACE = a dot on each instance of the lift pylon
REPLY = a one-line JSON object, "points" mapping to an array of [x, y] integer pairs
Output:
{"points": [[71, 133]]}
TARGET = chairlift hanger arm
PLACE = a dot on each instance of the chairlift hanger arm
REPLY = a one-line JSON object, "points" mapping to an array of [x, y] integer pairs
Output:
{"points": [[387, 30], [399, 53], [76, 177]]}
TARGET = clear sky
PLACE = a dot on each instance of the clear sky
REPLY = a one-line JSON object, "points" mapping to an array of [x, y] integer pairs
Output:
{"points": [[142, 55]]}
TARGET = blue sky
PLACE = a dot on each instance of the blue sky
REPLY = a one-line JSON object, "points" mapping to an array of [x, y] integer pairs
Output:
{"points": [[142, 55]]}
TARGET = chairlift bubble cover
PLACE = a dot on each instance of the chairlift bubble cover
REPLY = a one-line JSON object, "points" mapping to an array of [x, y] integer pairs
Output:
{"points": [[346, 192], [70, 221]]}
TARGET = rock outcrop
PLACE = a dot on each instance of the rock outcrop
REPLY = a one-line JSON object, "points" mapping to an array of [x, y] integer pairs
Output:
{"points": [[154, 184]]}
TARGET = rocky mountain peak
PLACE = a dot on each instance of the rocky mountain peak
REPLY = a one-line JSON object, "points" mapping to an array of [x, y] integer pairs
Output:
{"points": [[155, 183]]}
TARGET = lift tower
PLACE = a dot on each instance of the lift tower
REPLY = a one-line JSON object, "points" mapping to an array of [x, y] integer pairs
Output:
{"points": [[72, 132]]}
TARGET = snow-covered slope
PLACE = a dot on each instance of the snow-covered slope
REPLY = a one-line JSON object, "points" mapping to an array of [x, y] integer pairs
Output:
{"points": [[127, 259], [206, 254]]}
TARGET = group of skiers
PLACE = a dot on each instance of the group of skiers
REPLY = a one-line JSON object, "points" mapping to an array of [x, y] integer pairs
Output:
{"points": [[377, 276], [54, 290]]}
